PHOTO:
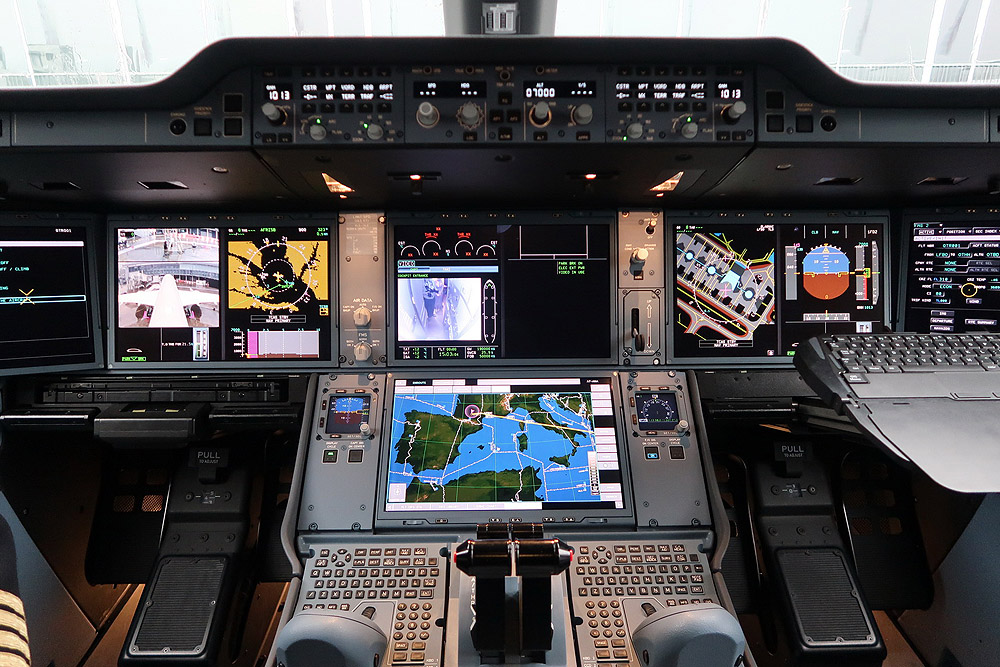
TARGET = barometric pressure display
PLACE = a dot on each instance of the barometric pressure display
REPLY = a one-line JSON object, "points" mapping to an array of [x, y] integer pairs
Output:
{"points": [[656, 410]]}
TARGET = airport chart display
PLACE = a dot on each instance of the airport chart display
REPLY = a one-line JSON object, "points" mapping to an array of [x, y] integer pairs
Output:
{"points": [[759, 290], [222, 294], [503, 444]]}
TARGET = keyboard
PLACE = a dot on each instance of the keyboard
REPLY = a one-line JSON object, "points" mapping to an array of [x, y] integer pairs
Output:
{"points": [[912, 393], [858, 355]]}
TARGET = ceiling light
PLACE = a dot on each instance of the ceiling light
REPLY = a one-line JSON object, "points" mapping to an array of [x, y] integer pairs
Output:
{"points": [[668, 185], [333, 185]]}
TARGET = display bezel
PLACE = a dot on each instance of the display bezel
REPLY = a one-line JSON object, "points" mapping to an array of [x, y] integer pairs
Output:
{"points": [[89, 225], [909, 218], [776, 218], [398, 220], [385, 518], [220, 222]]}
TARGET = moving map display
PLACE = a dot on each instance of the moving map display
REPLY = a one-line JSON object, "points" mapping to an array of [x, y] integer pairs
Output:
{"points": [[759, 289], [222, 294], [492, 444]]}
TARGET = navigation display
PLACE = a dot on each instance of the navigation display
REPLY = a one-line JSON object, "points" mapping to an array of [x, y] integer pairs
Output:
{"points": [[758, 289], [953, 277], [46, 297], [495, 444], [213, 294], [482, 290]]}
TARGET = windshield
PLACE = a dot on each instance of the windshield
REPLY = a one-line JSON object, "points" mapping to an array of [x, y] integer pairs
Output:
{"points": [[111, 42]]}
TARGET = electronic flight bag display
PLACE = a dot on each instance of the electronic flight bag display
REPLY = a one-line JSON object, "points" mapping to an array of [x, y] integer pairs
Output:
{"points": [[241, 292], [516, 286], [757, 288]]}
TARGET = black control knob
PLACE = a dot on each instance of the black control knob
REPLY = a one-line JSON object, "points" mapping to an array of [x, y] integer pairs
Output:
{"points": [[427, 114], [689, 129], [375, 132], [273, 113], [731, 113]]}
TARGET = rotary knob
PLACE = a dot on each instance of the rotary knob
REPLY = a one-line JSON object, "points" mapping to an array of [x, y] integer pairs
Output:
{"points": [[469, 115], [427, 114], [541, 114], [362, 352], [274, 114], [637, 260], [732, 112], [634, 131], [583, 114], [365, 429], [682, 427], [317, 132], [689, 130], [375, 132], [362, 317]]}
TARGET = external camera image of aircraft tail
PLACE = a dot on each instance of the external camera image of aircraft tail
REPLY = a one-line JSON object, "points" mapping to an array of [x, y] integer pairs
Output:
{"points": [[167, 304]]}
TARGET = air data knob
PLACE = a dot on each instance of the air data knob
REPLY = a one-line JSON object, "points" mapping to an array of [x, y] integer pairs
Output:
{"points": [[273, 114], [375, 132], [583, 114], [732, 113], [689, 130], [317, 132], [637, 260], [468, 114], [362, 317], [634, 131], [362, 352], [427, 114], [541, 114]]}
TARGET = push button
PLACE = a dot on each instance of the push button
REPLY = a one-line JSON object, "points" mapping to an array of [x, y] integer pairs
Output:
{"points": [[355, 455]]}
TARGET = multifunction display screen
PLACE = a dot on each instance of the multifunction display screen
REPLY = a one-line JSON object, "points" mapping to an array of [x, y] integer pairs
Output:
{"points": [[503, 444], [758, 290], [46, 301], [222, 294], [503, 291], [953, 277], [348, 413]]}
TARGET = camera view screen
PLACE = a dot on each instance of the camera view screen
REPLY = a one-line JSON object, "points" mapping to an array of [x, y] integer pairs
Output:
{"points": [[488, 291], [45, 297], [223, 294], [495, 444], [759, 290], [953, 280]]}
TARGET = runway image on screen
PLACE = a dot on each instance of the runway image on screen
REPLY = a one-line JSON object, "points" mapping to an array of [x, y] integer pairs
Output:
{"points": [[168, 278], [440, 309], [500, 444]]}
